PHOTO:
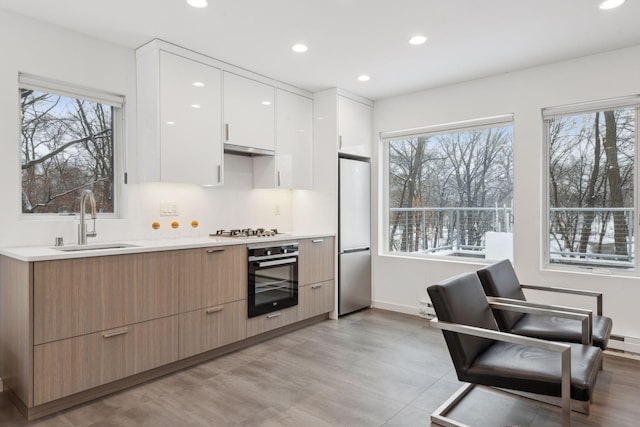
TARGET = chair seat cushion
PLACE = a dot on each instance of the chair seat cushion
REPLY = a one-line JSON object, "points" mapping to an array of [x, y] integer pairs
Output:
{"points": [[535, 370], [562, 329]]}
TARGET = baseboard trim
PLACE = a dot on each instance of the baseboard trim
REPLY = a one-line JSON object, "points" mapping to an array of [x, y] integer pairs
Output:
{"points": [[406, 309]]}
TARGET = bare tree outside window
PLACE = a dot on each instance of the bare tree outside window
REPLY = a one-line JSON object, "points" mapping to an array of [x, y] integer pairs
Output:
{"points": [[67, 145], [446, 191], [591, 188]]}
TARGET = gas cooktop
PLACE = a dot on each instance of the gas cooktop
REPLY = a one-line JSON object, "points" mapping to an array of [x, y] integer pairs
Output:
{"points": [[246, 233]]}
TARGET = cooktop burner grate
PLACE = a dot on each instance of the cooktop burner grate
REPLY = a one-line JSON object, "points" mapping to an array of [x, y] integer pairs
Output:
{"points": [[246, 232]]}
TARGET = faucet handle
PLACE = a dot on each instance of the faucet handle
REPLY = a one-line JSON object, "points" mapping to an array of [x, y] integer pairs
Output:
{"points": [[93, 232]]}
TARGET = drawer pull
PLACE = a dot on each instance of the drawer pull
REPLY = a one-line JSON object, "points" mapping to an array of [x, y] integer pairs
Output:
{"points": [[214, 309], [317, 241], [271, 316], [115, 333], [316, 286], [213, 251]]}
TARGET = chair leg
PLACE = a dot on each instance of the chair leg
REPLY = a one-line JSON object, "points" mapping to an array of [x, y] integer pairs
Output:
{"points": [[439, 418]]}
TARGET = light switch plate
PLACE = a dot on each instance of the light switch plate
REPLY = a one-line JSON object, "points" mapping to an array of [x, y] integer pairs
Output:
{"points": [[168, 209]]}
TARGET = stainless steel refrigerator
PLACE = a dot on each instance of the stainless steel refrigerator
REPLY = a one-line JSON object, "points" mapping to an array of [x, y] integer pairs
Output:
{"points": [[354, 236]]}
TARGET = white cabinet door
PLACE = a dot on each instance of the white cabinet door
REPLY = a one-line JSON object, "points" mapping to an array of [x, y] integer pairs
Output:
{"points": [[354, 127], [293, 163], [248, 113], [190, 121], [294, 138]]}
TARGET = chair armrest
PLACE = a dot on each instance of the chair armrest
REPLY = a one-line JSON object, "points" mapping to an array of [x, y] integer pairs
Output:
{"points": [[500, 336], [563, 349], [596, 294], [584, 316]]}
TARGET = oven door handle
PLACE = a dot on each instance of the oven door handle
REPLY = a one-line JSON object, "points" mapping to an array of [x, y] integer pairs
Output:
{"points": [[277, 262]]}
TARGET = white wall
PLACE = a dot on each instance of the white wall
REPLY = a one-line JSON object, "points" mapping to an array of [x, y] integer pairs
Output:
{"points": [[399, 283], [51, 52]]}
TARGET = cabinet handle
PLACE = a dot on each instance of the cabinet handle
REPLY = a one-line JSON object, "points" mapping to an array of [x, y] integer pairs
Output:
{"points": [[271, 316], [278, 178], [226, 131], [219, 174], [115, 333], [213, 251], [214, 309], [317, 241], [316, 286], [340, 138]]}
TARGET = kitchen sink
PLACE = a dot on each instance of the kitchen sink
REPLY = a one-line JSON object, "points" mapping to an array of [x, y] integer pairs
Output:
{"points": [[94, 247]]}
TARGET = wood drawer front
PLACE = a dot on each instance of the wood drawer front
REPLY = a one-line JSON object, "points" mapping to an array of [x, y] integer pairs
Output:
{"points": [[267, 322], [74, 297], [213, 276], [315, 299], [316, 261], [209, 328], [65, 367]]}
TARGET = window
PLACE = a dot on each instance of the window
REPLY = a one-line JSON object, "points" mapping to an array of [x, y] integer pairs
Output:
{"points": [[450, 189], [591, 183], [69, 139]]}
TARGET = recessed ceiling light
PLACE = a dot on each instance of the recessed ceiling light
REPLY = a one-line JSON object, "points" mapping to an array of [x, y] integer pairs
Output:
{"points": [[416, 40], [611, 4], [171, 123], [197, 3], [364, 78], [299, 48], [195, 106], [266, 102], [198, 84]]}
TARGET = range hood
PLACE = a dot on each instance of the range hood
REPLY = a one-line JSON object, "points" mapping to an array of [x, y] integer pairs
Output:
{"points": [[247, 151]]}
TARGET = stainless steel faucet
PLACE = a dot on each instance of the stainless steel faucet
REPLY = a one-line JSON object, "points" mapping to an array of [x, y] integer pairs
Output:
{"points": [[82, 227]]}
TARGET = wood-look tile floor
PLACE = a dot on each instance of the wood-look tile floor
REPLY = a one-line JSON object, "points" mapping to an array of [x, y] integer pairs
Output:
{"points": [[372, 368]]}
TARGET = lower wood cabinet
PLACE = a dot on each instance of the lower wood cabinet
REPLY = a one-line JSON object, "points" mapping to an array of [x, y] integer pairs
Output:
{"points": [[68, 366], [315, 299], [274, 320], [73, 325], [212, 327]]}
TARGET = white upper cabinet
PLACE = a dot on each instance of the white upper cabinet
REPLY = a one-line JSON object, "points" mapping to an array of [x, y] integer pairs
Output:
{"points": [[354, 127], [179, 119], [249, 113], [292, 166]]}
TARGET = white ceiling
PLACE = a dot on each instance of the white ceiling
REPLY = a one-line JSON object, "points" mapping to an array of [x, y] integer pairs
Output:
{"points": [[468, 39]]}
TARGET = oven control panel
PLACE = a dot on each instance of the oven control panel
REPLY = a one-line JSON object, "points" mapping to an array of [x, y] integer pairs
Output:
{"points": [[271, 251]]}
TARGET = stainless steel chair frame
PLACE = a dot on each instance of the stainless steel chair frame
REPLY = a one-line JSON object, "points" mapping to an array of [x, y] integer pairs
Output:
{"points": [[439, 418], [596, 294]]}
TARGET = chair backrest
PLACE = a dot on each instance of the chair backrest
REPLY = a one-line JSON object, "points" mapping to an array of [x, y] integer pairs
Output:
{"points": [[500, 280], [461, 299]]}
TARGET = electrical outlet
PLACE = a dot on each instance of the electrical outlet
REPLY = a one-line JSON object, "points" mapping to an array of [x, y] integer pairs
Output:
{"points": [[168, 209], [276, 210], [425, 308]]}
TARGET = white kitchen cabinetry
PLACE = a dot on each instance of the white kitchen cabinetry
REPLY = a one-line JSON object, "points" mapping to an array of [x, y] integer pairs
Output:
{"points": [[179, 118], [292, 166], [249, 114], [354, 127]]}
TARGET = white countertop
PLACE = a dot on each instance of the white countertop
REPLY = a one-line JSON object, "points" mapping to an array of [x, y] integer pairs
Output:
{"points": [[44, 253]]}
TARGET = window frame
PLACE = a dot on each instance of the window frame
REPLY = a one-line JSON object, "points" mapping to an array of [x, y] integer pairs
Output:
{"points": [[449, 127], [118, 102], [576, 109]]}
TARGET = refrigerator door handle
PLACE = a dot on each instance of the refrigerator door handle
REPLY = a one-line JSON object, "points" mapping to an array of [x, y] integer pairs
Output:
{"points": [[363, 248]]}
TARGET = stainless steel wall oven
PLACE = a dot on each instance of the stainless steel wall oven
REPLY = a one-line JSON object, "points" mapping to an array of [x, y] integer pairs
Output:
{"points": [[273, 277]]}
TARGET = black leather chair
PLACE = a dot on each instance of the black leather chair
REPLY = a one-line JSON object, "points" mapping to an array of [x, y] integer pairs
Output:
{"points": [[499, 280], [482, 355]]}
